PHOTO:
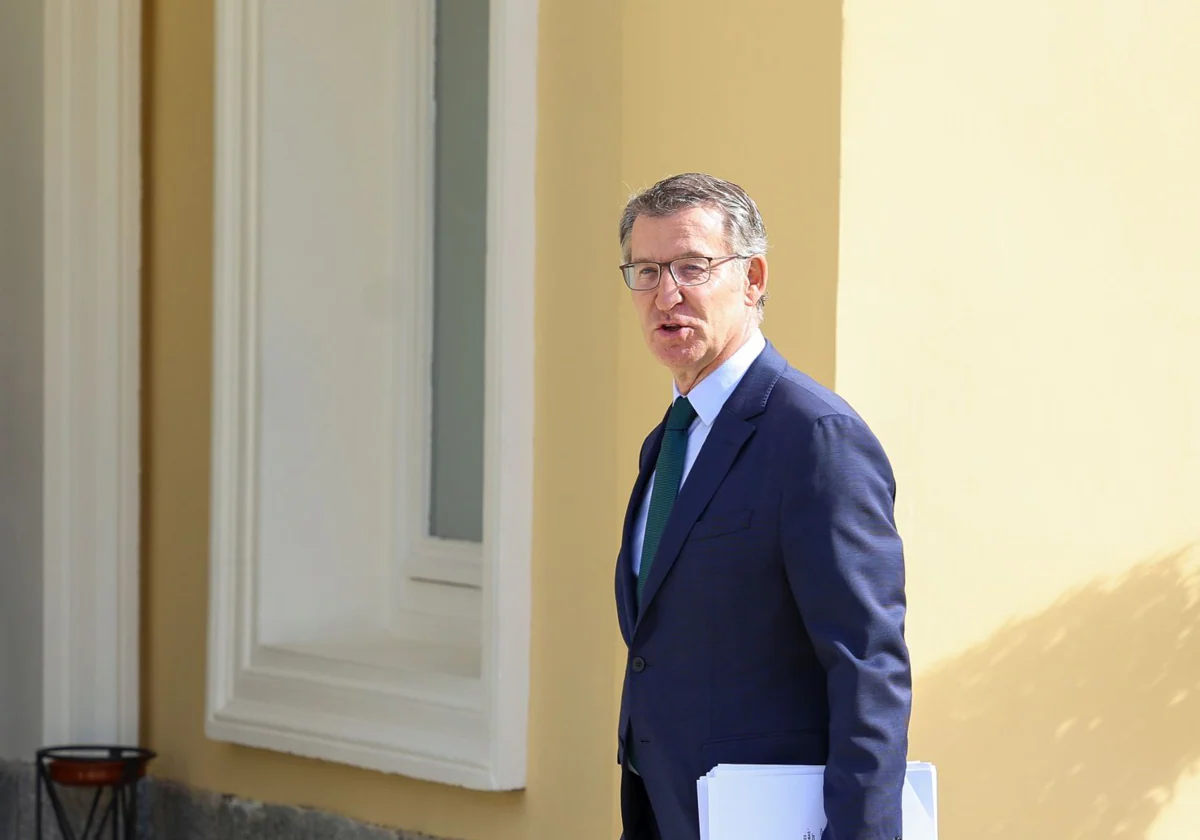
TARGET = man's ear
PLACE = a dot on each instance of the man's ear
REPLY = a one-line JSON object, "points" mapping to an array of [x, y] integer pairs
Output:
{"points": [[756, 279]]}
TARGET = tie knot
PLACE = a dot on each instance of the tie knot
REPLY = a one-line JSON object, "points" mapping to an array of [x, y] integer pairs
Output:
{"points": [[682, 414]]}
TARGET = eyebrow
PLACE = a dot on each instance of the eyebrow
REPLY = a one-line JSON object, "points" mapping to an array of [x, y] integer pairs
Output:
{"points": [[682, 256]]}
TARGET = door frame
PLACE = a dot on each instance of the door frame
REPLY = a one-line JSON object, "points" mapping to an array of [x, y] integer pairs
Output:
{"points": [[92, 313]]}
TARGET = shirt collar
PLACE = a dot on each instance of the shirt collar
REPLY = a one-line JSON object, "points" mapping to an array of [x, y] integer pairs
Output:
{"points": [[711, 392]]}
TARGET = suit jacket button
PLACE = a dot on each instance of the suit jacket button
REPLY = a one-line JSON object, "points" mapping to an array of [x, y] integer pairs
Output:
{"points": [[639, 664]]}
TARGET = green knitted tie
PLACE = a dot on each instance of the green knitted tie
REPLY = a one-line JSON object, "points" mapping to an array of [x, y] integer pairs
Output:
{"points": [[667, 476]]}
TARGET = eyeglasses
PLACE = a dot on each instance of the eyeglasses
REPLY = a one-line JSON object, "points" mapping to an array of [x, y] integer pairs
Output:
{"points": [[687, 271]]}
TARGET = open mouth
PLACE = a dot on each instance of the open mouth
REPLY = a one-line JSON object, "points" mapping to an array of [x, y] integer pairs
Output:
{"points": [[671, 328]]}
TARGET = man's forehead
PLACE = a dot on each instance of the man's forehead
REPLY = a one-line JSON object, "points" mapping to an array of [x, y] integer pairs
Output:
{"points": [[691, 232]]}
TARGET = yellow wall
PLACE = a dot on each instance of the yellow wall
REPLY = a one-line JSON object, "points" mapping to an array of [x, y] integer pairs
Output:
{"points": [[1019, 317], [620, 106]]}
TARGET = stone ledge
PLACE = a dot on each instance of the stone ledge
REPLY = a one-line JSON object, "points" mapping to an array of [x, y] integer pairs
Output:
{"points": [[171, 811]]}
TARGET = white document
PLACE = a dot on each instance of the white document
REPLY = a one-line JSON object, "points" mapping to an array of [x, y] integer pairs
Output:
{"points": [[919, 801], [786, 802], [765, 806]]}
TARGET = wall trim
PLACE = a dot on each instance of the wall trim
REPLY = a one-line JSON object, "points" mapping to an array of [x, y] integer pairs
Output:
{"points": [[509, 401], [92, 334]]}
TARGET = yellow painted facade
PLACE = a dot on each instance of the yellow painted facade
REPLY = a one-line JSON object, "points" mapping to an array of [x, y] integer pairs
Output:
{"points": [[984, 224], [1019, 317]]}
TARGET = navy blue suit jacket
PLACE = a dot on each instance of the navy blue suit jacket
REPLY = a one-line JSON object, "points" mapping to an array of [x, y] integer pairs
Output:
{"points": [[772, 624]]}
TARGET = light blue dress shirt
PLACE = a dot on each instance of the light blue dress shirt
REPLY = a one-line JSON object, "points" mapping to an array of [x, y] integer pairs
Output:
{"points": [[708, 398]]}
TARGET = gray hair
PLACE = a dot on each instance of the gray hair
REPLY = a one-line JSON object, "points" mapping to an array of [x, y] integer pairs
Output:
{"points": [[745, 233]]}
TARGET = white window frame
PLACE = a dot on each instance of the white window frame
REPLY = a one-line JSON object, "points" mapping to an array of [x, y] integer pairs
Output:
{"points": [[336, 702], [424, 557]]}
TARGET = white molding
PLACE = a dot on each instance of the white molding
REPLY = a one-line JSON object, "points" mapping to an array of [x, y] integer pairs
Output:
{"points": [[443, 561], [509, 402], [442, 707], [232, 538], [92, 90]]}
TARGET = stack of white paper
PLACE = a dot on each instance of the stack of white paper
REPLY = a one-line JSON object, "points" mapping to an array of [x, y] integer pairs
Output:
{"points": [[785, 802]]}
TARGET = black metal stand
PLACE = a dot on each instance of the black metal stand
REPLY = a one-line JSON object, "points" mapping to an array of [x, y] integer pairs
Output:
{"points": [[102, 768]]}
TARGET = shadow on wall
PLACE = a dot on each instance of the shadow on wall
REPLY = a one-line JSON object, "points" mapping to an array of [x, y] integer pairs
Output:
{"points": [[1075, 723]]}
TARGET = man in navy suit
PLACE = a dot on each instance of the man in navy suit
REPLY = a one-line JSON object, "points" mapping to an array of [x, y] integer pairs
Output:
{"points": [[760, 584]]}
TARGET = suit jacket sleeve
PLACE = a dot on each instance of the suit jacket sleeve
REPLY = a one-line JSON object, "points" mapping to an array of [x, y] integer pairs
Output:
{"points": [[845, 566]]}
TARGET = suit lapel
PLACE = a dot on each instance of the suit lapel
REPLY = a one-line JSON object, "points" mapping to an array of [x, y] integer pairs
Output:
{"points": [[626, 589], [729, 434]]}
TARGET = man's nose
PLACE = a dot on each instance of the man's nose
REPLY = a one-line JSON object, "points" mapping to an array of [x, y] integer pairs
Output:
{"points": [[668, 294]]}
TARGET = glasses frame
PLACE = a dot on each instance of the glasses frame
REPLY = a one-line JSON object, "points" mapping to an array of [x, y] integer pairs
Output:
{"points": [[669, 266]]}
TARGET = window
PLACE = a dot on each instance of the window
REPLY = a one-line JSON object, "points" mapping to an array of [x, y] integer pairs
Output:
{"points": [[373, 348], [459, 267]]}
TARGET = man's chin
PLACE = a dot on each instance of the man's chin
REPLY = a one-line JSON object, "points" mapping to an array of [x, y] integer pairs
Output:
{"points": [[678, 360]]}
